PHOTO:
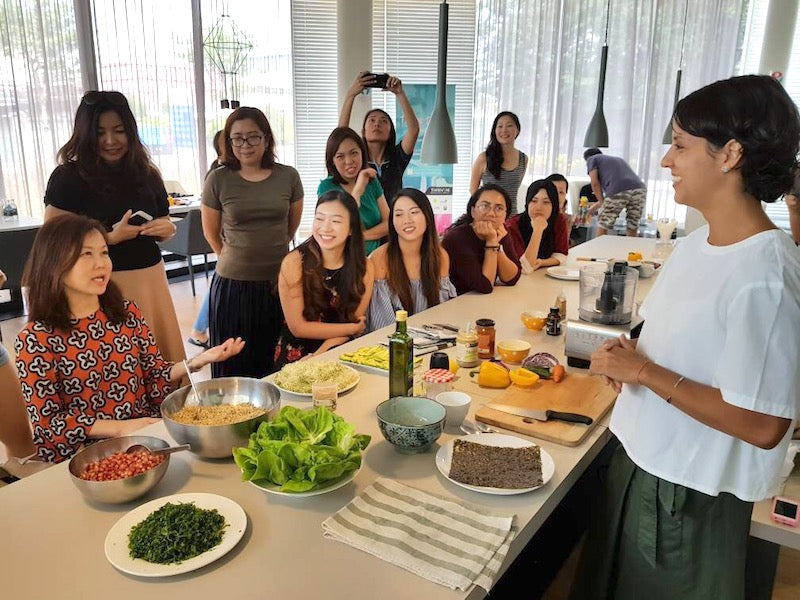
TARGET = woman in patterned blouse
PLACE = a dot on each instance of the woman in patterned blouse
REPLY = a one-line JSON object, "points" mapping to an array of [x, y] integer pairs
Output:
{"points": [[87, 361]]}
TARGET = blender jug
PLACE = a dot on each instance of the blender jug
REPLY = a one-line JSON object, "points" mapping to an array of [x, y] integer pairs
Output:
{"points": [[607, 293]]}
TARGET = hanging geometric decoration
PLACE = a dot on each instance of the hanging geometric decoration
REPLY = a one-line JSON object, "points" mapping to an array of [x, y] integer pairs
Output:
{"points": [[227, 47]]}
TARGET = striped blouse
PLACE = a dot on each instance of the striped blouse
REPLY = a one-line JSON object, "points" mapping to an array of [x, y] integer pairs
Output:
{"points": [[384, 302], [509, 180]]}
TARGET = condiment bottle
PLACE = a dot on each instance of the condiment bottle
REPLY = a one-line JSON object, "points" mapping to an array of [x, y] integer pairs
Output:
{"points": [[561, 303], [554, 322], [437, 381], [486, 334], [401, 359], [467, 347]]}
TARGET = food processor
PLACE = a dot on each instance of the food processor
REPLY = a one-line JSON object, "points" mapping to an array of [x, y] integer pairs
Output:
{"points": [[607, 293]]}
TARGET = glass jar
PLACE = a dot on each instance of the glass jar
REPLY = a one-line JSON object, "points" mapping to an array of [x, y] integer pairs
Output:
{"points": [[437, 381], [486, 333], [467, 347]]}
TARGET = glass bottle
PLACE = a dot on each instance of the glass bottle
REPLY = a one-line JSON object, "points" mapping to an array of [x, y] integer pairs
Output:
{"points": [[553, 322], [401, 358], [9, 208], [486, 336], [467, 347]]}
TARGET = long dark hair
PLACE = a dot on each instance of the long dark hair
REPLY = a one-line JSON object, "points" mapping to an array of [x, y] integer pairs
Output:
{"points": [[351, 277], [392, 141], [227, 157], [526, 228], [466, 218], [756, 111], [335, 140], [430, 255], [55, 251], [81, 149], [494, 151]]}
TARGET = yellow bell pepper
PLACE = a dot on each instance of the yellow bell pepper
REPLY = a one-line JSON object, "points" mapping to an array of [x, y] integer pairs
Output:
{"points": [[492, 375], [523, 377]]}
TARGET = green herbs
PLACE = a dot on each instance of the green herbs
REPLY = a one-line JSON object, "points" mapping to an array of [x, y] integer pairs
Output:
{"points": [[301, 450], [175, 532]]}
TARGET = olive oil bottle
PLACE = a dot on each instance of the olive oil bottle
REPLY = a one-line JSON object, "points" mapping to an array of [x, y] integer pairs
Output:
{"points": [[401, 359]]}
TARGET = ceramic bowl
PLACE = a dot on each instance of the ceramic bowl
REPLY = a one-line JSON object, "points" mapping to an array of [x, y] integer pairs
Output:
{"points": [[534, 320], [513, 351], [116, 491], [411, 424]]}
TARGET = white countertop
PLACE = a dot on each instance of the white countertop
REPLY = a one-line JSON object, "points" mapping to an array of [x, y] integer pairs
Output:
{"points": [[19, 223]]}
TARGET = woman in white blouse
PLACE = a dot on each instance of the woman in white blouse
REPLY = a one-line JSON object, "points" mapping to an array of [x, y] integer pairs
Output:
{"points": [[411, 271]]}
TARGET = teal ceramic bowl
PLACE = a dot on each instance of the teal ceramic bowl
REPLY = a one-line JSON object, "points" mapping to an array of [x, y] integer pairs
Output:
{"points": [[411, 424]]}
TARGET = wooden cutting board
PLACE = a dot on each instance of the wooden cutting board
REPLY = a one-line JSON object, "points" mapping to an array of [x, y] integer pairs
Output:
{"points": [[576, 393]]}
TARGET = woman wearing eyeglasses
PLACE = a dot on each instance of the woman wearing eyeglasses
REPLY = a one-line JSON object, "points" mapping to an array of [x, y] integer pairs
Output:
{"points": [[481, 251], [346, 161], [251, 210], [105, 173]]}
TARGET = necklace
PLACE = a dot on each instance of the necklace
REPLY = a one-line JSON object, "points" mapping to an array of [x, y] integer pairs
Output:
{"points": [[331, 273]]}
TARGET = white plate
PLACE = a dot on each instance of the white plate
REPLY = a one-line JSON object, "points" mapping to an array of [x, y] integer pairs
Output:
{"points": [[564, 272], [271, 488], [308, 395], [116, 545], [445, 455]]}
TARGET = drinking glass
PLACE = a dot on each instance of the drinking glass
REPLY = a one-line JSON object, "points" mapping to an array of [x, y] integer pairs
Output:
{"points": [[325, 393], [666, 227]]}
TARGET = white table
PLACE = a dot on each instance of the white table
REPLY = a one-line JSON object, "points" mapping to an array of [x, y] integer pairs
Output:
{"points": [[190, 203], [19, 223]]}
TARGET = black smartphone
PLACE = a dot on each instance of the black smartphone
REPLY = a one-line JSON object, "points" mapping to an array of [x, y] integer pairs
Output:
{"points": [[139, 218], [381, 80]]}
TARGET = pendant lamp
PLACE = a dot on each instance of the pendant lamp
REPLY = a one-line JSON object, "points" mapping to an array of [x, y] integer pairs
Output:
{"points": [[668, 131], [597, 132], [227, 48], [439, 143]]}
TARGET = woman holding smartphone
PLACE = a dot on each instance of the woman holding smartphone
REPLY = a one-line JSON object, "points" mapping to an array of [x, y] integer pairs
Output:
{"points": [[105, 173], [709, 391]]}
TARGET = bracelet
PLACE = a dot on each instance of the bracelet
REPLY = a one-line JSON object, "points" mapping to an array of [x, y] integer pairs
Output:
{"points": [[674, 387], [639, 372], [495, 248]]}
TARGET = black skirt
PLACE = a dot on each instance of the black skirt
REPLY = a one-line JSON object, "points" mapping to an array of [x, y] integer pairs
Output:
{"points": [[250, 310]]}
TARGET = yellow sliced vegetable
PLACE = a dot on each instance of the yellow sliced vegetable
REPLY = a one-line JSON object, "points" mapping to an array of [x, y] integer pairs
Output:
{"points": [[523, 377], [492, 375]]}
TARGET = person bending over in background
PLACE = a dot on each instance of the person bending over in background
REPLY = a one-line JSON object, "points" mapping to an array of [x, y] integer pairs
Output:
{"points": [[481, 251], [88, 363], [325, 283], [616, 186], [412, 271], [388, 158]]}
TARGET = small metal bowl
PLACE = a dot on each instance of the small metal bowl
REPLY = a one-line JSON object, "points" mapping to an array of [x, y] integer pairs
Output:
{"points": [[218, 441], [116, 491]]}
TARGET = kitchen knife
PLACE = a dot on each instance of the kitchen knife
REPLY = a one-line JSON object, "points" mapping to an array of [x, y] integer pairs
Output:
{"points": [[541, 415]]}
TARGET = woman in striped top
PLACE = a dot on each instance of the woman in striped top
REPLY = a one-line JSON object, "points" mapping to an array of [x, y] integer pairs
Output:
{"points": [[412, 270], [501, 164]]}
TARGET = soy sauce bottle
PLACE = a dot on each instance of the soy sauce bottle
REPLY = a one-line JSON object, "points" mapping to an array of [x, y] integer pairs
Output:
{"points": [[554, 322]]}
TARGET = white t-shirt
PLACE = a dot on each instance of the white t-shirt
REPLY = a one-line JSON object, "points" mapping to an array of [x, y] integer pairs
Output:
{"points": [[728, 317]]}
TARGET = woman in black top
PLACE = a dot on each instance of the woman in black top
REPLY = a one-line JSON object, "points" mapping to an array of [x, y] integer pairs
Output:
{"points": [[105, 173]]}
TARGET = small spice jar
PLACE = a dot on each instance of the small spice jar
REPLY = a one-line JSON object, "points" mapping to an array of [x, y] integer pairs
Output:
{"points": [[437, 381], [486, 332], [554, 322]]}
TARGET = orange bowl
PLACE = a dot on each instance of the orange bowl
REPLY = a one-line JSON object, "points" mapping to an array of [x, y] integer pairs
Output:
{"points": [[513, 351], [535, 321]]}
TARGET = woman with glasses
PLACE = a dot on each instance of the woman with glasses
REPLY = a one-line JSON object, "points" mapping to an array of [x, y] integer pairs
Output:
{"points": [[346, 161], [481, 251], [708, 394], [539, 233], [325, 283], [105, 173], [501, 164], [412, 271], [251, 210]]}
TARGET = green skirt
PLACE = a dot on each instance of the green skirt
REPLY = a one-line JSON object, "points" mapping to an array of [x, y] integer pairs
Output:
{"points": [[653, 539]]}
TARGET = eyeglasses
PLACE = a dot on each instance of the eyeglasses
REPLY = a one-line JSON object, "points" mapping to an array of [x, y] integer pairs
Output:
{"points": [[95, 97], [485, 207], [252, 140]]}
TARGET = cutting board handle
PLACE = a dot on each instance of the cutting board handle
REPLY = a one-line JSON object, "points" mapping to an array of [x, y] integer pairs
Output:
{"points": [[569, 417]]}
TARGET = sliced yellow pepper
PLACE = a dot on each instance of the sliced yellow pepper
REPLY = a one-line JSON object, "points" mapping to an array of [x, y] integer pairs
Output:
{"points": [[523, 377], [492, 375]]}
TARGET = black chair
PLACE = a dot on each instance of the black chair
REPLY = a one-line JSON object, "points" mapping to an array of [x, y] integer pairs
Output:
{"points": [[189, 241], [15, 246]]}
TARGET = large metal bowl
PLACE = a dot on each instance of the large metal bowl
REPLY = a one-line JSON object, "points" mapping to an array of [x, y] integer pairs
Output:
{"points": [[218, 441], [116, 491]]}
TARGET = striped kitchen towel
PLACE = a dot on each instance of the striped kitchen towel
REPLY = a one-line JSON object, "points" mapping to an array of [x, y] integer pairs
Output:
{"points": [[444, 540]]}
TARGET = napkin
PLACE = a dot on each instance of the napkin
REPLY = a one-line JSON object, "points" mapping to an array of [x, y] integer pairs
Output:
{"points": [[446, 541]]}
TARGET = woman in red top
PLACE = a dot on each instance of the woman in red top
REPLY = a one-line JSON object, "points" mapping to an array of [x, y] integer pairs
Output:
{"points": [[87, 361], [540, 234]]}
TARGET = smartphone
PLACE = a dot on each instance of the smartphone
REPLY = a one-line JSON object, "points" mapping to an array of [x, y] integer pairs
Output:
{"points": [[139, 218], [381, 79]]}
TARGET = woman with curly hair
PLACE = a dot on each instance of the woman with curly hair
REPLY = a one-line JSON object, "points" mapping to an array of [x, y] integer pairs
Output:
{"points": [[501, 164], [325, 283]]}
